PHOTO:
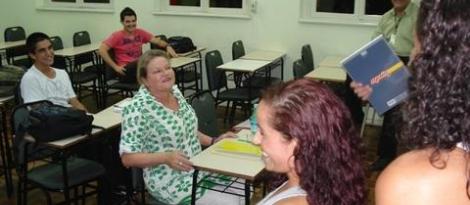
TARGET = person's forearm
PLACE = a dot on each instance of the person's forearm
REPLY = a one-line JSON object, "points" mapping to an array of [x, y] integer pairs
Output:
{"points": [[105, 55], [77, 104], [143, 160], [204, 139]]}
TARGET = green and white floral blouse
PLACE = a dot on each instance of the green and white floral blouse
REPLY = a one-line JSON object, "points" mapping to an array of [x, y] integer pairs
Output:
{"points": [[150, 127]]}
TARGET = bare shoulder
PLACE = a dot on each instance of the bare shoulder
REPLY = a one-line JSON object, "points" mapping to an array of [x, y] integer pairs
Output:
{"points": [[298, 200], [413, 179]]}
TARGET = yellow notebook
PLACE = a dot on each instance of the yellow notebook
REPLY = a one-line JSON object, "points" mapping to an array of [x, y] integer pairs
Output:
{"points": [[238, 146]]}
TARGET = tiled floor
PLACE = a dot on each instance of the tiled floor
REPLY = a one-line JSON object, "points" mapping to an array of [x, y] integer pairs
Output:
{"points": [[370, 139]]}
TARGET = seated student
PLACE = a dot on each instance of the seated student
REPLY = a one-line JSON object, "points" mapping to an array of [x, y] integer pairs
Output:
{"points": [[159, 134], [437, 169], [43, 82], [127, 46], [307, 135]]}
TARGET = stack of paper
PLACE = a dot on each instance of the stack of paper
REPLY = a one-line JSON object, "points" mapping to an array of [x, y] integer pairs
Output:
{"points": [[119, 106], [238, 147], [245, 135]]}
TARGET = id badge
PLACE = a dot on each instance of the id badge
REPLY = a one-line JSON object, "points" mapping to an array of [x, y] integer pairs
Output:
{"points": [[392, 39]]}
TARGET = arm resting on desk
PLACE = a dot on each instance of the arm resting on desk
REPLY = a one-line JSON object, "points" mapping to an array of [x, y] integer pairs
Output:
{"points": [[176, 160], [77, 104], [206, 140], [164, 44]]}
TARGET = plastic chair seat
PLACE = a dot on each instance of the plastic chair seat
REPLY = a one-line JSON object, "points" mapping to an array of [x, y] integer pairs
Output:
{"points": [[189, 76], [83, 77], [78, 171], [261, 81], [124, 86], [239, 94]]}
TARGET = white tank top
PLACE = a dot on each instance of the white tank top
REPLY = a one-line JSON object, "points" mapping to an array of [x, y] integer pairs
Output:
{"points": [[291, 192]]}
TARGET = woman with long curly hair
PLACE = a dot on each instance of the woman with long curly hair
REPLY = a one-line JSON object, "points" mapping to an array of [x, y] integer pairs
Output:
{"points": [[436, 170], [306, 134]]}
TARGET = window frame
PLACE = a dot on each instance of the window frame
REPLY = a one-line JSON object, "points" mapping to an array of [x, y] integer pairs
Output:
{"points": [[79, 5], [309, 14], [163, 7]]}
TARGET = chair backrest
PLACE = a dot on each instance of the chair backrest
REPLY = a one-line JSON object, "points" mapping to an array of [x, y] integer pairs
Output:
{"points": [[299, 69], [216, 77], [307, 56], [57, 43], [137, 177], [205, 108], [238, 50], [18, 98], [59, 62], [14, 33], [155, 46], [79, 39]]}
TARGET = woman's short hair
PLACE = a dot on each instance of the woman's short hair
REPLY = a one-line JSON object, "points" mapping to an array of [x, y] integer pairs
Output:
{"points": [[328, 152], [144, 61]]}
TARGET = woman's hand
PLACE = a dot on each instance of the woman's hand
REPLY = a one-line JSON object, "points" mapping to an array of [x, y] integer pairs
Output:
{"points": [[178, 161], [362, 91], [223, 136]]}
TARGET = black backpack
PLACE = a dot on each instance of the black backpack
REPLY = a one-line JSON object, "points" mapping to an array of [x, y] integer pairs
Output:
{"points": [[51, 122], [181, 44]]}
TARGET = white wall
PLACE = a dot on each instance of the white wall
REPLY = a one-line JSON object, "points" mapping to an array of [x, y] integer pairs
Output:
{"points": [[274, 26]]}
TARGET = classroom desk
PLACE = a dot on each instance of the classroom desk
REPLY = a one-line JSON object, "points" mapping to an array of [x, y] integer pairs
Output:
{"points": [[328, 74], [77, 50], [182, 63], [106, 119], [197, 52], [70, 53], [331, 61], [5, 150], [244, 65], [10, 44], [234, 165], [273, 56]]}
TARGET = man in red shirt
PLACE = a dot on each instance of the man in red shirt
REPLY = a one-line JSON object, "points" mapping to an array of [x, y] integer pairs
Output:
{"points": [[127, 46]]}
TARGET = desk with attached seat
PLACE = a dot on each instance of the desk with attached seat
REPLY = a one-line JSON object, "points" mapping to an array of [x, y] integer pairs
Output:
{"points": [[227, 164]]}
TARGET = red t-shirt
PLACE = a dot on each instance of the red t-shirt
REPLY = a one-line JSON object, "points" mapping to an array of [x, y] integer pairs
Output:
{"points": [[127, 47]]}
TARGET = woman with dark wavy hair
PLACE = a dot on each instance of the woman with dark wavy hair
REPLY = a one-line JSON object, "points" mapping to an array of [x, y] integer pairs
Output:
{"points": [[436, 170], [306, 133]]}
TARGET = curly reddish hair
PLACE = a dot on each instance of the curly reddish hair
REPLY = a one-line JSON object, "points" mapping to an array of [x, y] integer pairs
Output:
{"points": [[438, 110], [328, 152]]}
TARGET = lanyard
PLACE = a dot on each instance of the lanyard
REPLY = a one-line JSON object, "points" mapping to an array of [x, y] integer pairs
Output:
{"points": [[397, 20]]}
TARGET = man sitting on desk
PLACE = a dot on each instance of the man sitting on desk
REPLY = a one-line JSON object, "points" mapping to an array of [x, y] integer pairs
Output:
{"points": [[127, 46], [43, 82]]}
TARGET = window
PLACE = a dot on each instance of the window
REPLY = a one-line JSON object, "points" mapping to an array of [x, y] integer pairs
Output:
{"points": [[79, 4], [344, 11], [225, 8]]}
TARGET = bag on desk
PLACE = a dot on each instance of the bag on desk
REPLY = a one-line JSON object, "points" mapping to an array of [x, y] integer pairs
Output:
{"points": [[51, 122], [181, 44]]}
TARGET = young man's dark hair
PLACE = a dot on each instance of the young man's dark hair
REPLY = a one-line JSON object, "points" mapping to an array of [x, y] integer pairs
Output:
{"points": [[33, 39], [127, 12]]}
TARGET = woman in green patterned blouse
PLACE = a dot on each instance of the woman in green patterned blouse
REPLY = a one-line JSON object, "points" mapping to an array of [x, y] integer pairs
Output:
{"points": [[159, 134]]}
